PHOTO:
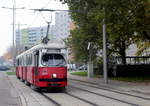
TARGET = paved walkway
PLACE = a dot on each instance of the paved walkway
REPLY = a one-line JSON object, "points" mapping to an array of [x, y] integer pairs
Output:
{"points": [[140, 87], [8, 94], [28, 96]]}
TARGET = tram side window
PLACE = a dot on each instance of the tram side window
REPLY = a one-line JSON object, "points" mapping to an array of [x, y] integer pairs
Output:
{"points": [[20, 62], [17, 62], [23, 61], [29, 59], [26, 60]]}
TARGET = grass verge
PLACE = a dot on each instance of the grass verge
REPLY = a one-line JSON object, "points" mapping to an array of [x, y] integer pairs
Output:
{"points": [[84, 73], [81, 73], [10, 73]]}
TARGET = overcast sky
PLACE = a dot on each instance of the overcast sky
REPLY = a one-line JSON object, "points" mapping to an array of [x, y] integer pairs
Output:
{"points": [[28, 17]]}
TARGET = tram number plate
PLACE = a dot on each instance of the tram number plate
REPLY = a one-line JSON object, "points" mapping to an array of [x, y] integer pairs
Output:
{"points": [[54, 84]]}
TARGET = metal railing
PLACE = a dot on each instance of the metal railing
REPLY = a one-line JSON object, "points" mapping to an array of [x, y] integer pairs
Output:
{"points": [[132, 60]]}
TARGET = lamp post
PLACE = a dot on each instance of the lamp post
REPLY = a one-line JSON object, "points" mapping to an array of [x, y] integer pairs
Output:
{"points": [[105, 62], [105, 57], [14, 19], [14, 14]]}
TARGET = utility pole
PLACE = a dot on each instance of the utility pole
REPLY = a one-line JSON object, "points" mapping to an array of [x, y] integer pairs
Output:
{"points": [[105, 60], [14, 19], [14, 14], [90, 62]]}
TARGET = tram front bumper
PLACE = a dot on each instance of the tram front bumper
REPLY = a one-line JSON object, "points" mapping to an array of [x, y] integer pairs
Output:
{"points": [[54, 82]]}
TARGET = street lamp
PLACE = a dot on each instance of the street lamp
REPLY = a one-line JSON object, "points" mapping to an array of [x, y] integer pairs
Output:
{"points": [[14, 17], [105, 62], [105, 58]]}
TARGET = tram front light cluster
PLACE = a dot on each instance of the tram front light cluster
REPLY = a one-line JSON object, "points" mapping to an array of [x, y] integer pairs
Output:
{"points": [[54, 75], [44, 72]]}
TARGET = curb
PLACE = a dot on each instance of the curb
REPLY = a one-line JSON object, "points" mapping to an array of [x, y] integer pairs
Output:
{"points": [[23, 101]]}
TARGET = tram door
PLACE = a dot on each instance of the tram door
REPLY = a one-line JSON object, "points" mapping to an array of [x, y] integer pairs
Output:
{"points": [[36, 65]]}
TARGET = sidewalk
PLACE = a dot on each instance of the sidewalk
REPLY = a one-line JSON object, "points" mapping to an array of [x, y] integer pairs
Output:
{"points": [[8, 94], [138, 87], [28, 96]]}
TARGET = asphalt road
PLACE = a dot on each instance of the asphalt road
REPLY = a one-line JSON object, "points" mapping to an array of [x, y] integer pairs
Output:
{"points": [[8, 95]]}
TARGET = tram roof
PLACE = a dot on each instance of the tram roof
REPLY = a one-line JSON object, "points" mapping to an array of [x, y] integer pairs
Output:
{"points": [[49, 45]]}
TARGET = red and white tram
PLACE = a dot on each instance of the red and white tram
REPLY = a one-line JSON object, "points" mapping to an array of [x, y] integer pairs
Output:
{"points": [[43, 65]]}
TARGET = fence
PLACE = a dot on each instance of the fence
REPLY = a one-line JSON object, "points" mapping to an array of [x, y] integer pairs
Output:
{"points": [[133, 60]]}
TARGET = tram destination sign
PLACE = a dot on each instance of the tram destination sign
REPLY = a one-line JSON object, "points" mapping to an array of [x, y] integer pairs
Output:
{"points": [[51, 50]]}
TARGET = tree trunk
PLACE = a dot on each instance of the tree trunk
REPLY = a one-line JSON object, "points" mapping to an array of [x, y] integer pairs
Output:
{"points": [[123, 52]]}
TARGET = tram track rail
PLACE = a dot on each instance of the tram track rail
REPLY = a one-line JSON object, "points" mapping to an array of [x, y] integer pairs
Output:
{"points": [[84, 100], [50, 99], [122, 101], [57, 103], [69, 94], [98, 94], [110, 90], [44, 94]]}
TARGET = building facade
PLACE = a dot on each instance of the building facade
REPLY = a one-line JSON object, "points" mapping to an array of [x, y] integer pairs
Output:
{"points": [[35, 35], [31, 36], [62, 25]]}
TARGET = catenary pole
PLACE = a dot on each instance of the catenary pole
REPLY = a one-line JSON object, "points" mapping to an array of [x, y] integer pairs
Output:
{"points": [[13, 34], [105, 60], [105, 68], [13, 43]]}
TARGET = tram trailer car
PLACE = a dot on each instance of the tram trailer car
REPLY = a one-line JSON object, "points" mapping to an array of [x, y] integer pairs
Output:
{"points": [[43, 66]]}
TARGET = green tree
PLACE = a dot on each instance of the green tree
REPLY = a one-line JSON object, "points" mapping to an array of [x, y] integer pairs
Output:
{"points": [[86, 29], [127, 21], [143, 48]]}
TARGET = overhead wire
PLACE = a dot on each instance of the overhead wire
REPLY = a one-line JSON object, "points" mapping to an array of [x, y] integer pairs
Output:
{"points": [[46, 4], [42, 13], [35, 18], [43, 17]]}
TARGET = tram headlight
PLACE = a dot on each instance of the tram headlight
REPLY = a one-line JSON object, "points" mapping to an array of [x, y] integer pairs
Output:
{"points": [[54, 75], [44, 72]]}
